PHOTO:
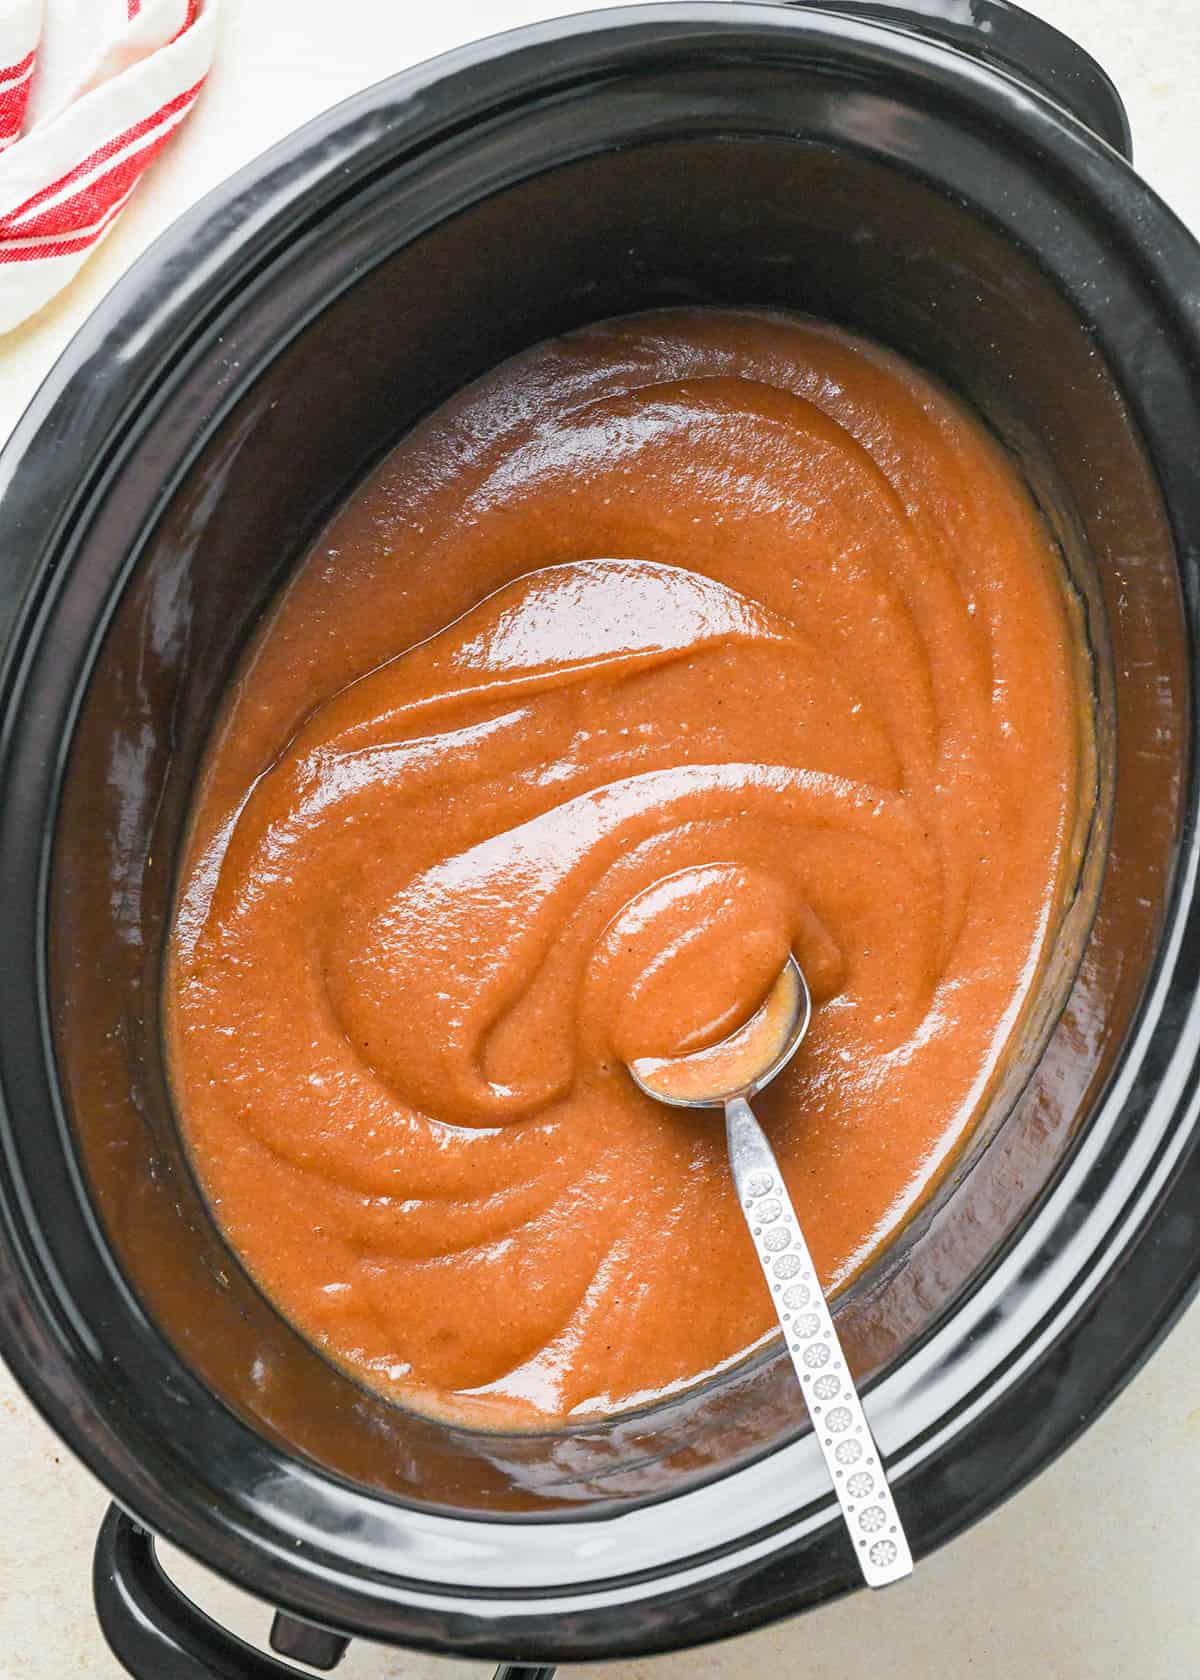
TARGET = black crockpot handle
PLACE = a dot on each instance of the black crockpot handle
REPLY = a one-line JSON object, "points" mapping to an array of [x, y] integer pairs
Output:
{"points": [[157, 1633], [1013, 40]]}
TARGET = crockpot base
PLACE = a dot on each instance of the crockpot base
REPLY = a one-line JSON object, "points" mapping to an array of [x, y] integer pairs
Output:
{"points": [[222, 401]]}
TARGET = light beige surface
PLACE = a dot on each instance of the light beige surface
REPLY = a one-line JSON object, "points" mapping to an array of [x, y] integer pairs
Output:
{"points": [[1091, 1573]]}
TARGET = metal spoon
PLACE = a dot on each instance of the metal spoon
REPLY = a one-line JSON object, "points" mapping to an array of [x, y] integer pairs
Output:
{"points": [[726, 1076]]}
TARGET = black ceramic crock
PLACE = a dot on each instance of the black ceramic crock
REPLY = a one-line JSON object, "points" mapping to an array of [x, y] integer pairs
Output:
{"points": [[948, 178]]}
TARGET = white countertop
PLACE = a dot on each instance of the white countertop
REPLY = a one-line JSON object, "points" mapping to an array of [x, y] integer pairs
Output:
{"points": [[1089, 1573]]}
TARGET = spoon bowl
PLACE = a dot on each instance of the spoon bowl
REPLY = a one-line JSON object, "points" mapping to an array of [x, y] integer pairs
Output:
{"points": [[742, 1063]]}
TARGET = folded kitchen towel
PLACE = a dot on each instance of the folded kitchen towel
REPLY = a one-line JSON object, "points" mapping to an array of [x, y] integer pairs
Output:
{"points": [[90, 92]]}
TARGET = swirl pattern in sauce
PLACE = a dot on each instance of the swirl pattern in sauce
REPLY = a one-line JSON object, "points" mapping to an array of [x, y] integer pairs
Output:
{"points": [[724, 633]]}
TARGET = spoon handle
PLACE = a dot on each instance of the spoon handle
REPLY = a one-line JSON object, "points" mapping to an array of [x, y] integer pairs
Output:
{"points": [[838, 1419]]}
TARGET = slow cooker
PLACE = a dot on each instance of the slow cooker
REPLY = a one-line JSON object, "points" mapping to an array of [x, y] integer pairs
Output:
{"points": [[951, 178]]}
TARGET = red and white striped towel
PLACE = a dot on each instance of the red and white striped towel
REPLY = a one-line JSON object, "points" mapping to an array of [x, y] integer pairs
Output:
{"points": [[90, 92]]}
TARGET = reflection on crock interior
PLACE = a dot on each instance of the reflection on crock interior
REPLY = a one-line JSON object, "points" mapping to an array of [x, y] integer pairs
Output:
{"points": [[670, 646]]}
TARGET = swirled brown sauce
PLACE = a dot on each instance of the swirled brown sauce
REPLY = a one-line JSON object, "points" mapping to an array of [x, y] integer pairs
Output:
{"points": [[668, 646]]}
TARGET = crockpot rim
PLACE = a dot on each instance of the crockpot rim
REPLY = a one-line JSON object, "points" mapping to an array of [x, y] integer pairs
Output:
{"points": [[115, 317]]}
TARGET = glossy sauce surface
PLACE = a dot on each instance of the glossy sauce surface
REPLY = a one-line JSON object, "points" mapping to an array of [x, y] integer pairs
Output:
{"points": [[668, 647]]}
